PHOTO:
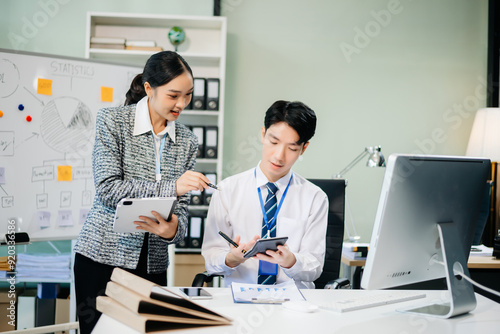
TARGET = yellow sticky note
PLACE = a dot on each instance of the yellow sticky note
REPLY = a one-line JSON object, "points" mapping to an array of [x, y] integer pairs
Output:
{"points": [[44, 86], [64, 173], [107, 94]]}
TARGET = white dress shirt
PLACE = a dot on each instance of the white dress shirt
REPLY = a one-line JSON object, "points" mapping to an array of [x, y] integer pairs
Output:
{"points": [[143, 124], [236, 210]]}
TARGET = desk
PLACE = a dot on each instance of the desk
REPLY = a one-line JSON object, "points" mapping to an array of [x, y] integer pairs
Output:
{"points": [[260, 318], [475, 264]]}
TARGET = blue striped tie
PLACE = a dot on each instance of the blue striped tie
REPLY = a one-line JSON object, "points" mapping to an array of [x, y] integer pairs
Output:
{"points": [[270, 207]]}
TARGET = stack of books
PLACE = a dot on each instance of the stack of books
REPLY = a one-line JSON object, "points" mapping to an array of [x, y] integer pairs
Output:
{"points": [[142, 45], [43, 267], [355, 250], [7, 264], [107, 43], [147, 307], [123, 44]]}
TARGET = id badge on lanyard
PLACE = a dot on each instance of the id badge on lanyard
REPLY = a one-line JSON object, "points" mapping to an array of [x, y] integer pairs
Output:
{"points": [[158, 156]]}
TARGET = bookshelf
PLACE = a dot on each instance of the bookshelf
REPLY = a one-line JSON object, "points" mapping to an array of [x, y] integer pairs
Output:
{"points": [[205, 50]]}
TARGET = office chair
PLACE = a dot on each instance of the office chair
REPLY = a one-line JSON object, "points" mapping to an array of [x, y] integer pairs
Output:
{"points": [[335, 191]]}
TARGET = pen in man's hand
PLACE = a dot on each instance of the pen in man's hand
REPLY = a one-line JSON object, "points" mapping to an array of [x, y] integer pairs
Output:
{"points": [[224, 235]]}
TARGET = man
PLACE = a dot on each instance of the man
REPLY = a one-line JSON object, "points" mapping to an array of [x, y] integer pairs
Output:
{"points": [[270, 200]]}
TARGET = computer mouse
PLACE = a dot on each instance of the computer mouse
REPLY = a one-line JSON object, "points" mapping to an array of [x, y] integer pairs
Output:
{"points": [[300, 306]]}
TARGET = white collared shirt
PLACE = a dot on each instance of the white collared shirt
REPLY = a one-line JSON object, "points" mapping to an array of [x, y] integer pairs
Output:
{"points": [[236, 210], [142, 124]]}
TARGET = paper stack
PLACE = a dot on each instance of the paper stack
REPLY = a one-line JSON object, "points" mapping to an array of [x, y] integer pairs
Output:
{"points": [[44, 267], [355, 250]]}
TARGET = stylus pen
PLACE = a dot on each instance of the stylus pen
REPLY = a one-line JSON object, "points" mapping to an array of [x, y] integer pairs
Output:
{"points": [[213, 186], [224, 235]]}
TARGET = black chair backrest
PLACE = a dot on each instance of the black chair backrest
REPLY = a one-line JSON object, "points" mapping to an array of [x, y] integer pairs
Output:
{"points": [[335, 190]]}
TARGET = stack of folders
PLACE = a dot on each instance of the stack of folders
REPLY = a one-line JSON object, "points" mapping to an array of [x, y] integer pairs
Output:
{"points": [[44, 267], [355, 250], [147, 307]]}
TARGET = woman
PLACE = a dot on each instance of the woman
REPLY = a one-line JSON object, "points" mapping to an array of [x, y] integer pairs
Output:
{"points": [[140, 151]]}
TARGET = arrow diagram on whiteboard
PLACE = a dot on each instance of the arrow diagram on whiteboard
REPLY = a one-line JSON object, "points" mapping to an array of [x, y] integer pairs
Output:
{"points": [[33, 135], [41, 102], [4, 191]]}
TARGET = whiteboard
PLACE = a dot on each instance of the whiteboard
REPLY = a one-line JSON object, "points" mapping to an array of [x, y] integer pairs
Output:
{"points": [[48, 106]]}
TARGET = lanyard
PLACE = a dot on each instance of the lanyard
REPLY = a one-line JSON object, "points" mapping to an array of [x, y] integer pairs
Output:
{"points": [[158, 156], [277, 209]]}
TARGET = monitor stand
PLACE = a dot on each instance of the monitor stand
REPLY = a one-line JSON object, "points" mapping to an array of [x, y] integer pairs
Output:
{"points": [[461, 291]]}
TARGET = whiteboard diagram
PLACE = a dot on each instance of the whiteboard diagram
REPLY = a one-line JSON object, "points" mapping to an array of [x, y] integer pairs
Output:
{"points": [[48, 106]]}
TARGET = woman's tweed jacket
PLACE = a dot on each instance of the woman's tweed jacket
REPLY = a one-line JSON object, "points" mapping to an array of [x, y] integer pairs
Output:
{"points": [[124, 166]]}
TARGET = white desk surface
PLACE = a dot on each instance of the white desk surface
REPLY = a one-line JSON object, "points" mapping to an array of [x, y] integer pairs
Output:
{"points": [[261, 318]]}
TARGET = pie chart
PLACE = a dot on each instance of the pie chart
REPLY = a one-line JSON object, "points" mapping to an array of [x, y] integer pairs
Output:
{"points": [[66, 125]]}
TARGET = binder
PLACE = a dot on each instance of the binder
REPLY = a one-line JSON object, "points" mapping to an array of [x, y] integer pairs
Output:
{"points": [[213, 94], [207, 193], [199, 132], [195, 231], [26, 309], [196, 197], [211, 134], [185, 242], [199, 95], [45, 312]]}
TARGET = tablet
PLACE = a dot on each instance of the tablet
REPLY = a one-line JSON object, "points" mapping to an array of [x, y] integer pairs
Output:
{"points": [[128, 210], [264, 244]]}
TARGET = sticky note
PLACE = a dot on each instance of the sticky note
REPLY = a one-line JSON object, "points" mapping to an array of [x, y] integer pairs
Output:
{"points": [[64, 173], [43, 218], [64, 218], [107, 94], [83, 215], [44, 86]]}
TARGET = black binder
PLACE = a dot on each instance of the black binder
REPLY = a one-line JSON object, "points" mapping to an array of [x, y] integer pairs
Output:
{"points": [[207, 193], [199, 132], [196, 197], [184, 243], [199, 94], [212, 94], [211, 140], [195, 231]]}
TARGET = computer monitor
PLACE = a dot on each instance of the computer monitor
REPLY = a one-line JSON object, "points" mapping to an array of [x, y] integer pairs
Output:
{"points": [[427, 213]]}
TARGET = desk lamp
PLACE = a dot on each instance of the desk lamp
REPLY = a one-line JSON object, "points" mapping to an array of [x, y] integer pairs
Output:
{"points": [[484, 141], [375, 159]]}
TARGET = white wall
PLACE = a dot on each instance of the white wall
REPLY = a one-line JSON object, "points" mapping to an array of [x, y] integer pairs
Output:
{"points": [[412, 84]]}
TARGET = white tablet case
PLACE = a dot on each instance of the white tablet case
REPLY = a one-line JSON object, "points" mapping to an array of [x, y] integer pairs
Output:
{"points": [[128, 210]]}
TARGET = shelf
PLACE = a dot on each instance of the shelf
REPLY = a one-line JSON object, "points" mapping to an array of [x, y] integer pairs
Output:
{"points": [[200, 113], [139, 56], [152, 20], [198, 207], [188, 250], [204, 49], [35, 280], [207, 161]]}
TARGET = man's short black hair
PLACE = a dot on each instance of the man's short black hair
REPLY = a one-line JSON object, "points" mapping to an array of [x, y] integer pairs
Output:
{"points": [[296, 114]]}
